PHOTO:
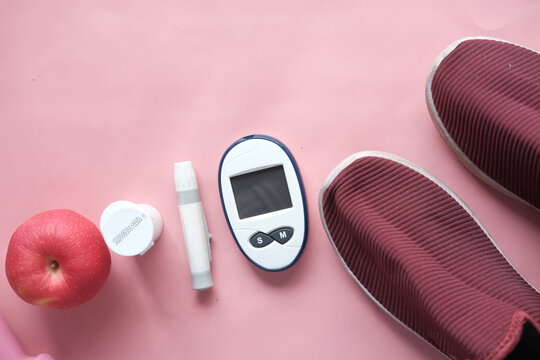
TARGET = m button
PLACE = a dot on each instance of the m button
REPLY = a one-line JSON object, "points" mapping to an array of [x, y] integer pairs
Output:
{"points": [[282, 235]]}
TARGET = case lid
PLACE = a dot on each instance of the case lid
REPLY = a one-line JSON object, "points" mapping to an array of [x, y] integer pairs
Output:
{"points": [[130, 229]]}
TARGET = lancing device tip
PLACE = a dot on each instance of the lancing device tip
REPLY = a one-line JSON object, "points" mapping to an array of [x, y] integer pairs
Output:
{"points": [[194, 227]]}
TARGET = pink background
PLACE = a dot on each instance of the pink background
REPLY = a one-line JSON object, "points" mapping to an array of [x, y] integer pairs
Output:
{"points": [[98, 99]]}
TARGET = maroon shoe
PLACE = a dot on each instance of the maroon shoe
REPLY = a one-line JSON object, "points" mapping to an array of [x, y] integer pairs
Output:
{"points": [[416, 249], [484, 97]]}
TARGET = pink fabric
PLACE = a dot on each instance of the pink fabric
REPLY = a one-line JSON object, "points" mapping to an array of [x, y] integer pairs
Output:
{"points": [[10, 348], [99, 98]]}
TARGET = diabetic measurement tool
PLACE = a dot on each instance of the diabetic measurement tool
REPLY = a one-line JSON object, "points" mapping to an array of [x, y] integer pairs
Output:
{"points": [[130, 229], [194, 228], [264, 202]]}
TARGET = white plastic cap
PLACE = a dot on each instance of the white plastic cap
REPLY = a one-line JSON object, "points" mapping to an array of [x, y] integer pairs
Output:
{"points": [[130, 229], [184, 176], [202, 280]]}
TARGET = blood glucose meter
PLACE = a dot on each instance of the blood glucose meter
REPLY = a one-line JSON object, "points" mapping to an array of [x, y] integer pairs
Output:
{"points": [[263, 200]]}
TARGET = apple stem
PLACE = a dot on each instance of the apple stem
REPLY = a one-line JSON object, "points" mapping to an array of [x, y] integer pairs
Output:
{"points": [[53, 265]]}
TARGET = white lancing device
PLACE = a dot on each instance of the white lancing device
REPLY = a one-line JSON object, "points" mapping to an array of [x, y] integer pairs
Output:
{"points": [[194, 227]]}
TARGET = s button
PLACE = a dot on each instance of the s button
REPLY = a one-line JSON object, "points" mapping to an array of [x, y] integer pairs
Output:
{"points": [[260, 240]]}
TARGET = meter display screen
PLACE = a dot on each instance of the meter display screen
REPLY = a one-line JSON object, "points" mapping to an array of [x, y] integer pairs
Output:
{"points": [[260, 192]]}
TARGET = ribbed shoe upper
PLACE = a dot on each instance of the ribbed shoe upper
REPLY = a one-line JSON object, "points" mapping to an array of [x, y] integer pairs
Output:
{"points": [[487, 96], [425, 259]]}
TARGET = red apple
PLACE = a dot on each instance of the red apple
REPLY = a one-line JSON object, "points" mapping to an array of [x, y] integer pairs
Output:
{"points": [[57, 259]]}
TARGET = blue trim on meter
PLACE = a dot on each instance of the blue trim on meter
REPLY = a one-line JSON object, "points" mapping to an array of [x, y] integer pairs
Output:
{"points": [[296, 170]]}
